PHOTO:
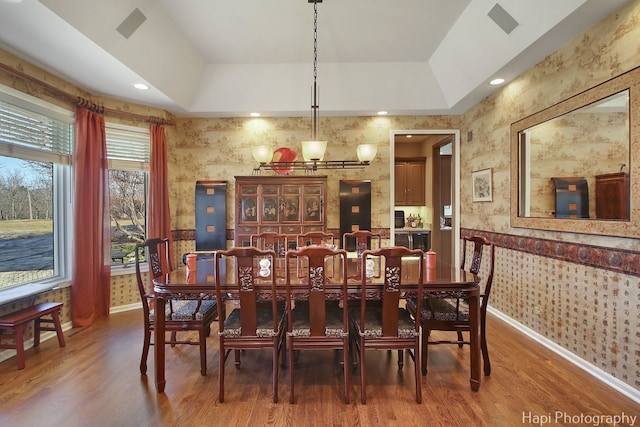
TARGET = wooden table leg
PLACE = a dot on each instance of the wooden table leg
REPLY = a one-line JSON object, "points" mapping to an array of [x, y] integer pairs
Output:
{"points": [[474, 313], [159, 343]]}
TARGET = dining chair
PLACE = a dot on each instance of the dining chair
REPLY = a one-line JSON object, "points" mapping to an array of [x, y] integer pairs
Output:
{"points": [[388, 325], [314, 238], [259, 320], [279, 243], [315, 320], [180, 315], [450, 313], [362, 241]]}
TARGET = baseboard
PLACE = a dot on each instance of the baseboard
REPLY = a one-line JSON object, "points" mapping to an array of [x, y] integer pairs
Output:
{"points": [[594, 371], [128, 307]]}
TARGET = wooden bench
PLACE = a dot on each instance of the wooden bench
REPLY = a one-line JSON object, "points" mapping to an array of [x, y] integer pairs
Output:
{"points": [[12, 326]]}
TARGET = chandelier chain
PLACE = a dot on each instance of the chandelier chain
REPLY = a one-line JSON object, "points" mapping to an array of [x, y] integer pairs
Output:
{"points": [[315, 41]]}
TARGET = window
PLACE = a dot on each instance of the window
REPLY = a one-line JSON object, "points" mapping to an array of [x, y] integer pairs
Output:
{"points": [[36, 140], [128, 152], [36, 212]]}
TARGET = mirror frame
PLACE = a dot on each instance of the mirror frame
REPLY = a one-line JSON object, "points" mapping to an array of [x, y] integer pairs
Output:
{"points": [[629, 80]]}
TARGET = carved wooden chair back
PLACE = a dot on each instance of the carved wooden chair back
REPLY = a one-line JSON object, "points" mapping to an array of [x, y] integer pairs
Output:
{"points": [[259, 320], [317, 308], [389, 325], [363, 240]]}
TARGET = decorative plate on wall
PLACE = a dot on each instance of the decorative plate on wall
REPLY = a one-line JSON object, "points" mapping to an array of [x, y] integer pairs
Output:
{"points": [[283, 155]]}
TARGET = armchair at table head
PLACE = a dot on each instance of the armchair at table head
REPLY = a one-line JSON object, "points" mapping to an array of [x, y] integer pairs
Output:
{"points": [[442, 313], [180, 315]]}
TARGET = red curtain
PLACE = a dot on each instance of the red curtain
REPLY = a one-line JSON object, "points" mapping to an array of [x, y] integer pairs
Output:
{"points": [[158, 206], [91, 271]]}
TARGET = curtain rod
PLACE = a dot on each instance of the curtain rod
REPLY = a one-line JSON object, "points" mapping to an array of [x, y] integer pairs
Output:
{"points": [[82, 102]]}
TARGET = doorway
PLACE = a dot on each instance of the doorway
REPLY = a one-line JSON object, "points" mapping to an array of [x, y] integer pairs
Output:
{"points": [[444, 225]]}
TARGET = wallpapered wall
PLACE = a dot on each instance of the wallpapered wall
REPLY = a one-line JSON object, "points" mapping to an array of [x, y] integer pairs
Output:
{"points": [[219, 149], [593, 312]]}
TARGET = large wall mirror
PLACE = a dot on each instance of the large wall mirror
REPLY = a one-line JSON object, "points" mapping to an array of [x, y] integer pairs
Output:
{"points": [[575, 165]]}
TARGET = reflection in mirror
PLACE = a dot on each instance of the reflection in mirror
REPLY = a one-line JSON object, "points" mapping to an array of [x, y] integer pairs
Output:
{"points": [[562, 162], [588, 142]]}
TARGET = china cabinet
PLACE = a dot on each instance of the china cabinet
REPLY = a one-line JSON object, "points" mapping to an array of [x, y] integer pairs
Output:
{"points": [[288, 205]]}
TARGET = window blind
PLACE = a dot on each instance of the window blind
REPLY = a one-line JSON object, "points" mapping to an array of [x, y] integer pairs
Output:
{"points": [[127, 147], [33, 136]]}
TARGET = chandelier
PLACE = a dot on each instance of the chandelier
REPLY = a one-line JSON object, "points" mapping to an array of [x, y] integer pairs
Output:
{"points": [[314, 149]]}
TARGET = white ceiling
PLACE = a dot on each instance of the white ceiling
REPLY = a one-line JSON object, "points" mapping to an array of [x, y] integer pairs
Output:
{"points": [[227, 58]]}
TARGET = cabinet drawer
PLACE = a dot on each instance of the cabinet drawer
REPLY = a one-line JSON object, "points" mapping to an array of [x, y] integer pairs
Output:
{"points": [[270, 229], [243, 229], [290, 229], [309, 228]]}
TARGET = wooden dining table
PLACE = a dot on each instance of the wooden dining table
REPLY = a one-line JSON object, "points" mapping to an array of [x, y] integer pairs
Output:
{"points": [[444, 281]]}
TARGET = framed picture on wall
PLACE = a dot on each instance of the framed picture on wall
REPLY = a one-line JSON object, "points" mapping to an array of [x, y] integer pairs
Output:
{"points": [[482, 186]]}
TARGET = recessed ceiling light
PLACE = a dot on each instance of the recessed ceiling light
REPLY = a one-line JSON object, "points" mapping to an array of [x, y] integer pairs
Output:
{"points": [[382, 113], [495, 82], [140, 86], [255, 114], [409, 136]]}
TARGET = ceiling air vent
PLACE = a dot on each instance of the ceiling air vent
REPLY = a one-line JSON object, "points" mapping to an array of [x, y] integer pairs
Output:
{"points": [[131, 23], [502, 18]]}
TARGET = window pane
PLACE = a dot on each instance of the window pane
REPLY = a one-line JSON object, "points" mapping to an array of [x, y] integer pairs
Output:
{"points": [[128, 213], [26, 221]]}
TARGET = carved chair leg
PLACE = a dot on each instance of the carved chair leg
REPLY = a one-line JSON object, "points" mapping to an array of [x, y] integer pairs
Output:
{"points": [[345, 368], [425, 344], [283, 352], [276, 362], [363, 393], [291, 364], [221, 359], [203, 352], [236, 355], [483, 346], [145, 352], [416, 362]]}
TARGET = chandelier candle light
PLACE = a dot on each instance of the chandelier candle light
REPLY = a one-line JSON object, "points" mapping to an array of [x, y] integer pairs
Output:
{"points": [[313, 150]]}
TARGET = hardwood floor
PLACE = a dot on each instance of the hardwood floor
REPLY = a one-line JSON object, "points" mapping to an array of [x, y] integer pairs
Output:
{"points": [[95, 381]]}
